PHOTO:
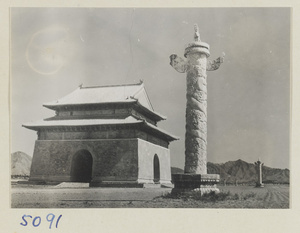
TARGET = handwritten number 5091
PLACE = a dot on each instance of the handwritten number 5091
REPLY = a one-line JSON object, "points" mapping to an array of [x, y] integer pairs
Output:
{"points": [[37, 220]]}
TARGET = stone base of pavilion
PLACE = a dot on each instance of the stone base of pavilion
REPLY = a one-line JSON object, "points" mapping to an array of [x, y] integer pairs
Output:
{"points": [[203, 183], [131, 184]]}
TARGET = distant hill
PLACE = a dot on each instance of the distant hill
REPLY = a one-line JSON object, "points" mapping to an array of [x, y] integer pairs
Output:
{"points": [[242, 172], [20, 164]]}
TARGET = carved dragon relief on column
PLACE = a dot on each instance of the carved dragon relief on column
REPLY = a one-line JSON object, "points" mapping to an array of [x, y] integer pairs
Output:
{"points": [[195, 64]]}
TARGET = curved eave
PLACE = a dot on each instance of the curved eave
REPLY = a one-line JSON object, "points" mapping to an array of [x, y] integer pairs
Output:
{"points": [[79, 124], [39, 127], [59, 106], [161, 132], [157, 115]]}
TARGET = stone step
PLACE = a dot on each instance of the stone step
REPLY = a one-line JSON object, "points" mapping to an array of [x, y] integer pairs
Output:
{"points": [[151, 185], [167, 185], [116, 184], [73, 185], [158, 186]]}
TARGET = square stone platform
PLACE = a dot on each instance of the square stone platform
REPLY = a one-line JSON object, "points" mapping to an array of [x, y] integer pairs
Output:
{"points": [[204, 183]]}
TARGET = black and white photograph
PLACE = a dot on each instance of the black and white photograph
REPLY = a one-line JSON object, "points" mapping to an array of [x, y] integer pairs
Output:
{"points": [[150, 107]]}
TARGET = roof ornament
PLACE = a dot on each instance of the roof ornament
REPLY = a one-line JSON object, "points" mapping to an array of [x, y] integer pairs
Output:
{"points": [[80, 86], [141, 81], [197, 33]]}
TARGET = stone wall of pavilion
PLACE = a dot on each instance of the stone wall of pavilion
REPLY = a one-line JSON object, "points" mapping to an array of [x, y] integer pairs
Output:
{"points": [[113, 160], [146, 152], [124, 160]]}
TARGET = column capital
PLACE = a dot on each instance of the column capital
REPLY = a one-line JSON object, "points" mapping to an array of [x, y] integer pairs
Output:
{"points": [[197, 47]]}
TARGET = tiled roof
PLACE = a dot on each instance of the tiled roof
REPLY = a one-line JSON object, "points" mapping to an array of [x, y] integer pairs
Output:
{"points": [[104, 94], [80, 122], [94, 122], [153, 127], [130, 93]]}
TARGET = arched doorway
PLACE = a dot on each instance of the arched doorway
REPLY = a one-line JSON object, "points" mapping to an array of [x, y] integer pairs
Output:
{"points": [[156, 169], [81, 170]]}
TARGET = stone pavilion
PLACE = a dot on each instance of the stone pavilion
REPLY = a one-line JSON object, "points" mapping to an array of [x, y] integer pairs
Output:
{"points": [[102, 135]]}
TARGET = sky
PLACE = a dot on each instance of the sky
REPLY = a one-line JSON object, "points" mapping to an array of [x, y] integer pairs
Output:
{"points": [[54, 50]]}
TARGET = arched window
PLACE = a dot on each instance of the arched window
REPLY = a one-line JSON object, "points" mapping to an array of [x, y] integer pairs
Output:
{"points": [[156, 169]]}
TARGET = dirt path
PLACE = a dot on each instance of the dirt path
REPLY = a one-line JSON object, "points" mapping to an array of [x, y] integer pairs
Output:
{"points": [[46, 197], [275, 194], [271, 196]]}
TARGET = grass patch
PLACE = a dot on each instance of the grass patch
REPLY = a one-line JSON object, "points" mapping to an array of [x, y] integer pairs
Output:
{"points": [[195, 195], [209, 197], [248, 195]]}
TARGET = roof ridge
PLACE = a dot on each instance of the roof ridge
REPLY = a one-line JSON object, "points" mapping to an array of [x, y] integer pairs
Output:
{"points": [[116, 85]]}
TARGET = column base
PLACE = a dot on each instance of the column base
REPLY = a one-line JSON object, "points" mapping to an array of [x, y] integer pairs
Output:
{"points": [[203, 183], [259, 185]]}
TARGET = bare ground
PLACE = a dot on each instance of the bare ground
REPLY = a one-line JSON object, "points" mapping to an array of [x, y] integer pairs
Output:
{"points": [[37, 196]]}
